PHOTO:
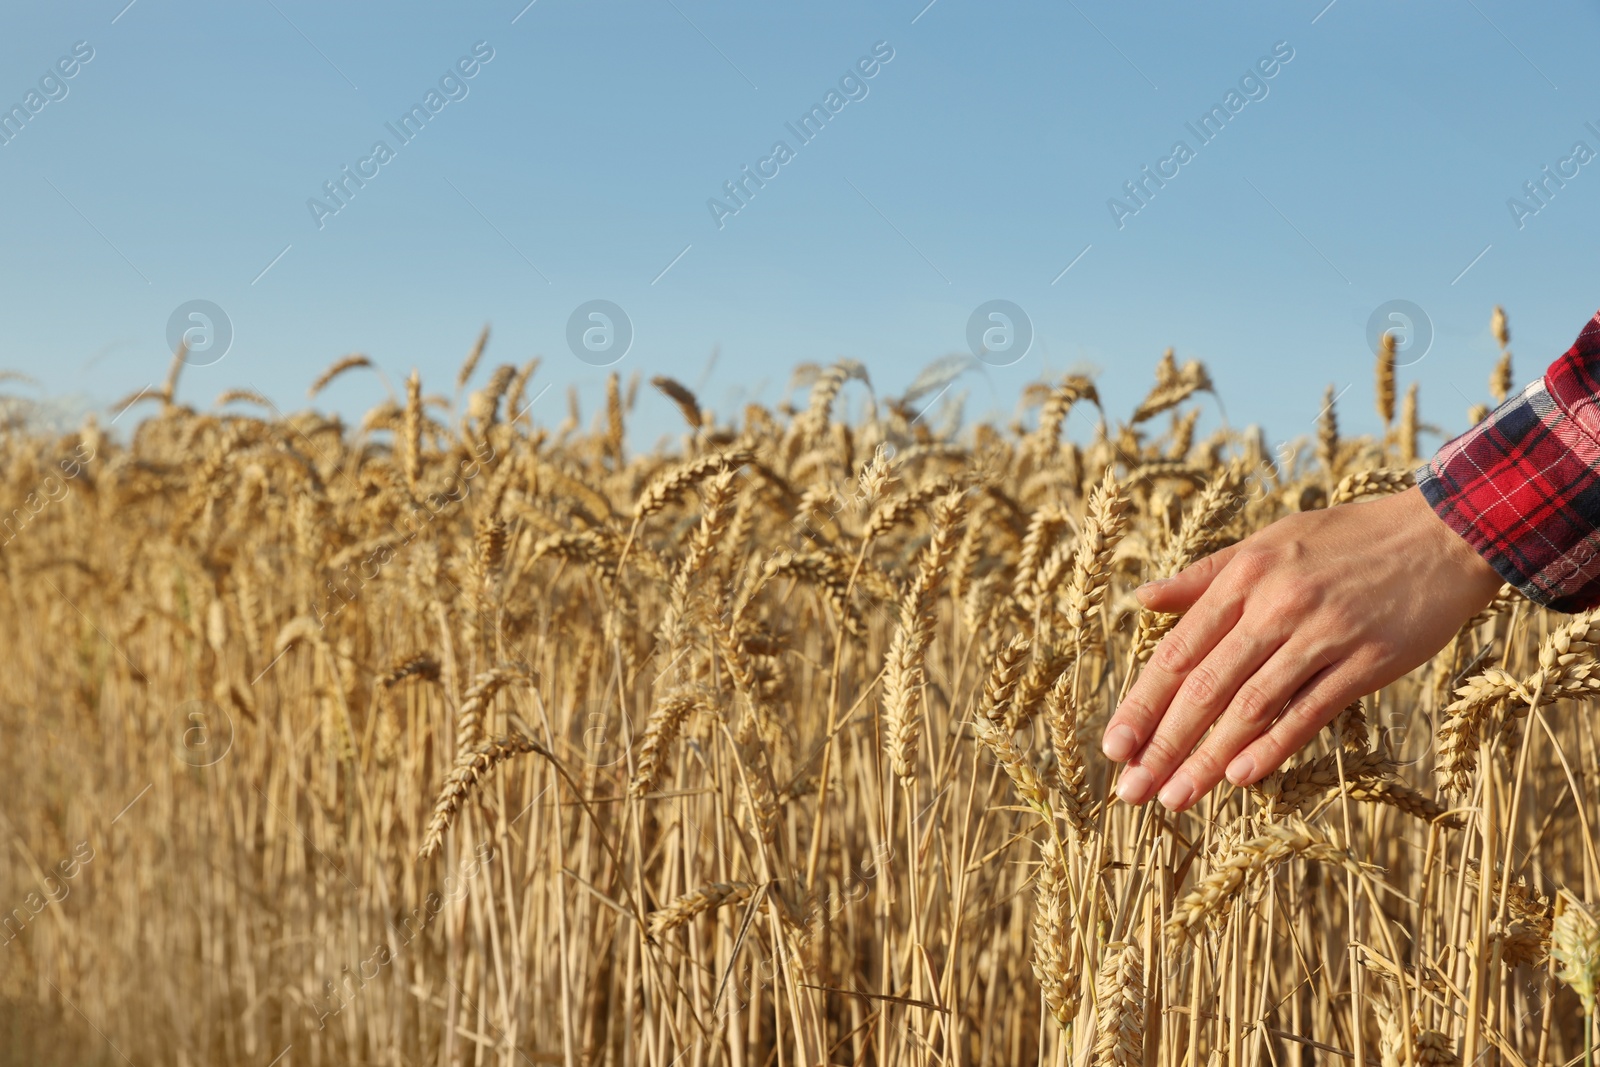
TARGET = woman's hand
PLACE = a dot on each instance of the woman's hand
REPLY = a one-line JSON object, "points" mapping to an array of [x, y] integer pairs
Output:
{"points": [[1280, 632]]}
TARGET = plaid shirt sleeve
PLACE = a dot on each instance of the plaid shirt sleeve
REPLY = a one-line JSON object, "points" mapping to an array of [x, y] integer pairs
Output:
{"points": [[1523, 486]]}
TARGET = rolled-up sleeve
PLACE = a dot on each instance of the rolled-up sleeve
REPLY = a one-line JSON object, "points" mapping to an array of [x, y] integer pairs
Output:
{"points": [[1523, 486]]}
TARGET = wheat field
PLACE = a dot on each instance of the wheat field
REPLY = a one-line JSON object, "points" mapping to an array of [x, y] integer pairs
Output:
{"points": [[457, 738]]}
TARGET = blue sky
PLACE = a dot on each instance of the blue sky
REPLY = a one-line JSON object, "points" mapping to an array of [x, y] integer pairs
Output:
{"points": [[1375, 165]]}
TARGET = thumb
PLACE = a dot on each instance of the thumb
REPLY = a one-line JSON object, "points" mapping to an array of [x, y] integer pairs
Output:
{"points": [[1178, 593]]}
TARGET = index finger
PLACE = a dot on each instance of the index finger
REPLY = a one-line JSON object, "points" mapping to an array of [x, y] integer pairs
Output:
{"points": [[1191, 640]]}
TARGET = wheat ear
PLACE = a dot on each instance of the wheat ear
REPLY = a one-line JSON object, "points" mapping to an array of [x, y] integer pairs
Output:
{"points": [[1246, 865], [1055, 962], [659, 732], [904, 666], [698, 902], [1119, 992], [482, 759], [475, 704]]}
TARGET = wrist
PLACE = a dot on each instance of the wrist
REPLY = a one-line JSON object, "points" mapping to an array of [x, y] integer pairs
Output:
{"points": [[1476, 577]]}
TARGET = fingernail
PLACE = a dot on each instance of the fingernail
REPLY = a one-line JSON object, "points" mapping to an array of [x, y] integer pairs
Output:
{"points": [[1119, 743], [1242, 770], [1134, 785], [1178, 791], [1150, 587]]}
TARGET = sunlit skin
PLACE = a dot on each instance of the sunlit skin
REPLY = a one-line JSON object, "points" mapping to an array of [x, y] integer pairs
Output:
{"points": [[1281, 631]]}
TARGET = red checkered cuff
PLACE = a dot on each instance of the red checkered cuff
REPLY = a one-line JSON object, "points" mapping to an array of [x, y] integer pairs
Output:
{"points": [[1523, 486]]}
